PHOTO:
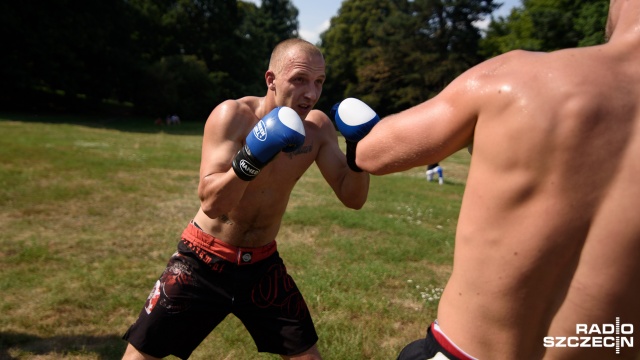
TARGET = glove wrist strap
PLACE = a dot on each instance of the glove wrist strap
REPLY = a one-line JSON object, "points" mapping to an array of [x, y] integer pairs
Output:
{"points": [[351, 156], [245, 165]]}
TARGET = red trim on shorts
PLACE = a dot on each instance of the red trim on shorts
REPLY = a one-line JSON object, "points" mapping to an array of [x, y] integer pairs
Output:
{"points": [[452, 348], [237, 255]]}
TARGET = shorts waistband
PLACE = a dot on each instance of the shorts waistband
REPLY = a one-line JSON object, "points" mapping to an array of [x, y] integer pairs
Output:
{"points": [[234, 254], [447, 344]]}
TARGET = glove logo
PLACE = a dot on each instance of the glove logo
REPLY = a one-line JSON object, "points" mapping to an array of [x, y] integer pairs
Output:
{"points": [[260, 131], [248, 169]]}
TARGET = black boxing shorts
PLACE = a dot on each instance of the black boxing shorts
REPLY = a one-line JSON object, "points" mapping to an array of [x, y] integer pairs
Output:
{"points": [[207, 279], [436, 346]]}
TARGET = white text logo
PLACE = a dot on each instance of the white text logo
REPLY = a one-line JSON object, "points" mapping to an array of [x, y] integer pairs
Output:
{"points": [[596, 336], [248, 168], [260, 131]]}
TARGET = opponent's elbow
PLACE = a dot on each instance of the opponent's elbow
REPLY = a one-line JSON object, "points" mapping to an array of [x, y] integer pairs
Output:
{"points": [[370, 164], [368, 159]]}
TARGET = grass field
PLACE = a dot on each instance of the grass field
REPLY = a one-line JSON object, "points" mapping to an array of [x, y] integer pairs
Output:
{"points": [[91, 209]]}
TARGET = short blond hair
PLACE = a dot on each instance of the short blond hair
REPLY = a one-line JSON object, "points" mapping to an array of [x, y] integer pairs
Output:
{"points": [[282, 49]]}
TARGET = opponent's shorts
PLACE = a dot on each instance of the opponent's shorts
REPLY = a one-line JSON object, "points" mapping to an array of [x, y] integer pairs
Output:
{"points": [[207, 279], [436, 346]]}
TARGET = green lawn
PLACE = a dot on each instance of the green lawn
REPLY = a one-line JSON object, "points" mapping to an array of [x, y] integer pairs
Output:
{"points": [[91, 209]]}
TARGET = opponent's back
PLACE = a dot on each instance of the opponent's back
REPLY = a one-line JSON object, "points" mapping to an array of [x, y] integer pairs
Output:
{"points": [[548, 210], [547, 236], [605, 287]]}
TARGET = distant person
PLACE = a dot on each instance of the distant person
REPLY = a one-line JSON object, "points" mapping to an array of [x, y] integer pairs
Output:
{"points": [[435, 169], [254, 151], [172, 120], [544, 243]]}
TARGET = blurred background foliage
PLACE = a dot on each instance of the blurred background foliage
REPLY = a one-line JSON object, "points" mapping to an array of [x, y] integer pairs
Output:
{"points": [[158, 57]]}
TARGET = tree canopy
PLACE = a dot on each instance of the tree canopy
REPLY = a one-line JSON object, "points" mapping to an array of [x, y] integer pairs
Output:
{"points": [[547, 25], [160, 56], [156, 57], [397, 53]]}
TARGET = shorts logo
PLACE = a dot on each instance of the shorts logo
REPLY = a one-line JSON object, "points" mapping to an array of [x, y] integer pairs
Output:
{"points": [[615, 335], [246, 257], [152, 300], [260, 131]]}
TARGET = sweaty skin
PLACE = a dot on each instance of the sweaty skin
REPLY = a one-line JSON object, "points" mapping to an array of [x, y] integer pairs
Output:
{"points": [[548, 233], [249, 214]]}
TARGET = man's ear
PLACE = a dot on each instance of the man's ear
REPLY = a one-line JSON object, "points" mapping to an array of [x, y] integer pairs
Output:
{"points": [[270, 79]]}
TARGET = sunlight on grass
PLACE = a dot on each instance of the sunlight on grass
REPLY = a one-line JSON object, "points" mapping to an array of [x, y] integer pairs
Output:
{"points": [[93, 210]]}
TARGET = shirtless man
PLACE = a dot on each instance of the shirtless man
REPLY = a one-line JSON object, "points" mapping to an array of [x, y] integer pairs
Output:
{"points": [[227, 260], [548, 243]]}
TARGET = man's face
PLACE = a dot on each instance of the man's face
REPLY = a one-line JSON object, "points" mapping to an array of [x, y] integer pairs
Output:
{"points": [[299, 84]]}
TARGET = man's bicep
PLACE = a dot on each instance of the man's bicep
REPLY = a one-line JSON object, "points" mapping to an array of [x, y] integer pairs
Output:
{"points": [[220, 143], [443, 126], [217, 157]]}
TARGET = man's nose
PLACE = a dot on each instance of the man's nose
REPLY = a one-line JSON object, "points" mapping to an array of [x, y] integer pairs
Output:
{"points": [[312, 92]]}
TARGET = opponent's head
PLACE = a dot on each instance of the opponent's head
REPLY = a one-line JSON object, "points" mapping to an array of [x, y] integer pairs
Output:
{"points": [[296, 74]]}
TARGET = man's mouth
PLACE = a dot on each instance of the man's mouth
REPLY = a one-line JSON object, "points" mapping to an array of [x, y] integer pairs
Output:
{"points": [[304, 109]]}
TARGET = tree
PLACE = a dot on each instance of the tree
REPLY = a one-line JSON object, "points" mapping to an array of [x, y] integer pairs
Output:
{"points": [[396, 53], [182, 54], [346, 46], [448, 39], [279, 21], [69, 47], [548, 25], [592, 19], [260, 30], [181, 84]]}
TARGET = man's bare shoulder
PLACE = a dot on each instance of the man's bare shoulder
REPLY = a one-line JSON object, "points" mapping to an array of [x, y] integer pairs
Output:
{"points": [[319, 127], [318, 117], [521, 64], [232, 110], [252, 102], [237, 106], [490, 86], [512, 65], [232, 118]]}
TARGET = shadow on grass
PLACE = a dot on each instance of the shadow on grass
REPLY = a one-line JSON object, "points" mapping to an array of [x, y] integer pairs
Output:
{"points": [[25, 346], [30, 105], [119, 123]]}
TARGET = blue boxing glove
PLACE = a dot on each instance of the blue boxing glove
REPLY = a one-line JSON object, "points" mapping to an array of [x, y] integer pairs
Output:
{"points": [[354, 120], [280, 130]]}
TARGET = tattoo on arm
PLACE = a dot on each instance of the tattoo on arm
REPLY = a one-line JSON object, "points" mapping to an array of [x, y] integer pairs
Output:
{"points": [[301, 150]]}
